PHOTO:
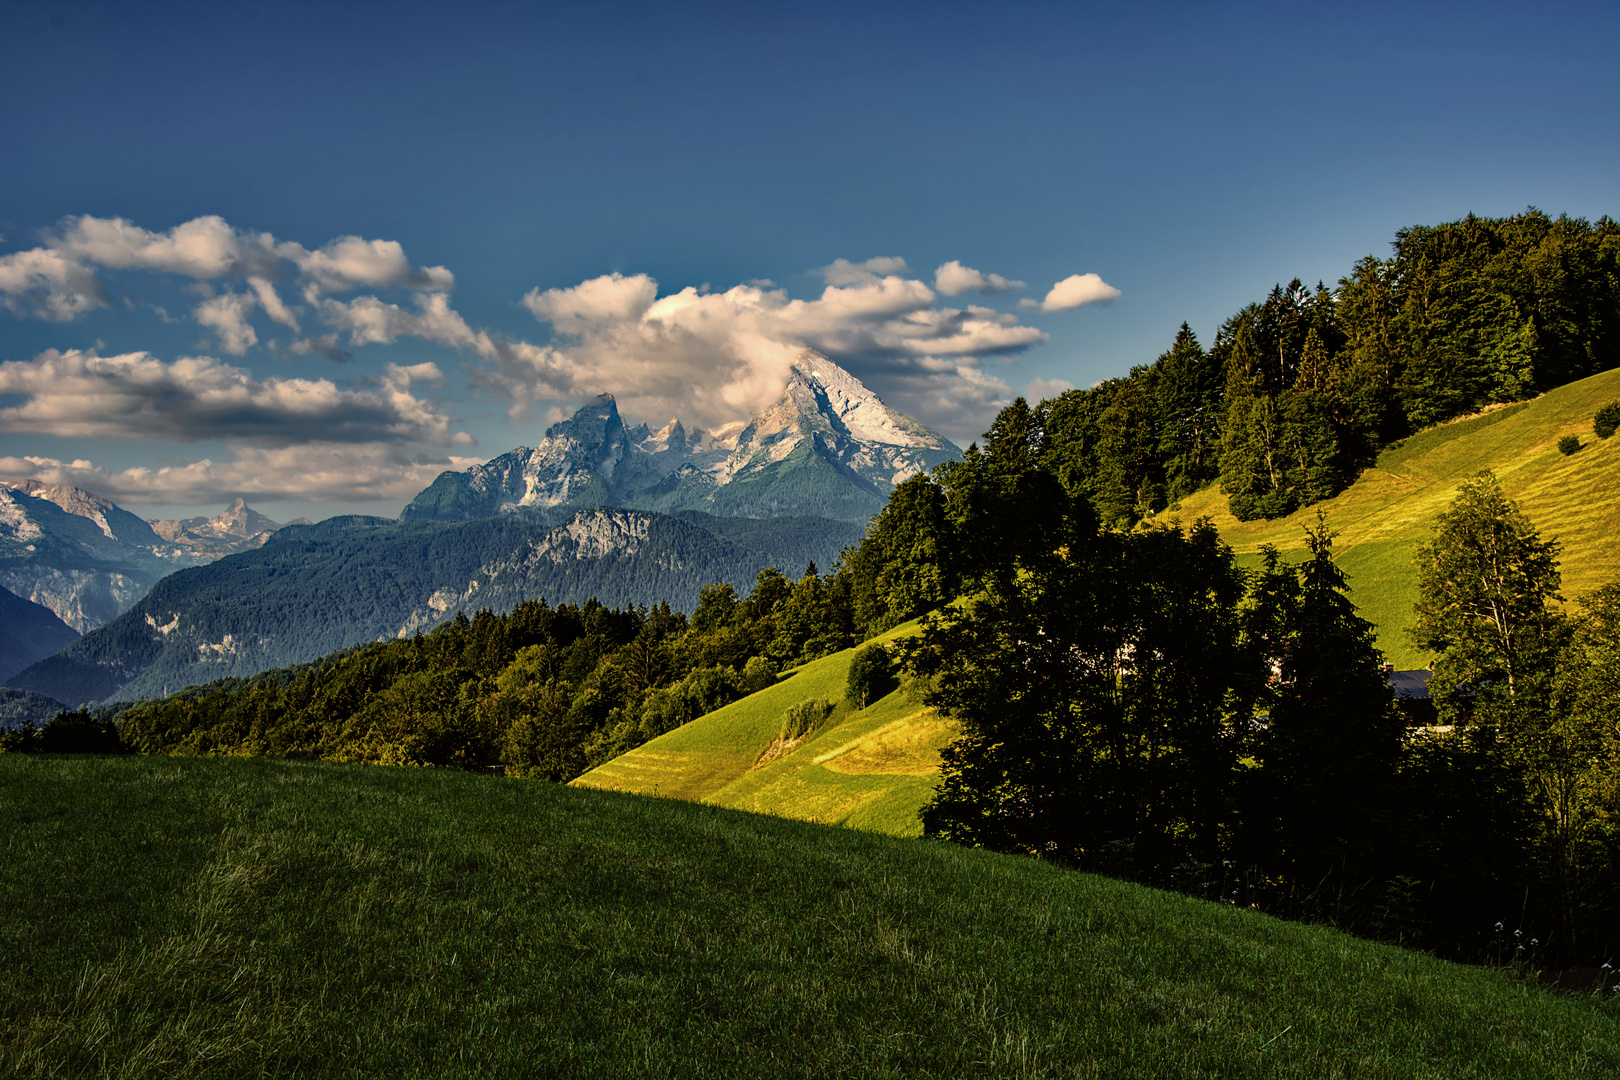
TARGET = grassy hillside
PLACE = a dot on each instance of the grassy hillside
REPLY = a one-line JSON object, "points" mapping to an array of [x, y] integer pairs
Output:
{"points": [[869, 769], [227, 917], [1391, 509]]}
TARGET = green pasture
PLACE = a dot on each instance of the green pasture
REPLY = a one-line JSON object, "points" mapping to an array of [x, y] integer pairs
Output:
{"points": [[218, 917], [1390, 510], [869, 768]]}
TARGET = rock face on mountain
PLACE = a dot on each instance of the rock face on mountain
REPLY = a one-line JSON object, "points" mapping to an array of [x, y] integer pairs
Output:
{"points": [[239, 528], [78, 554], [88, 559], [829, 447]]}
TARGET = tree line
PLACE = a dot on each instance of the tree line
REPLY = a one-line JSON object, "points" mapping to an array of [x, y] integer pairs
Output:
{"points": [[1300, 391]]}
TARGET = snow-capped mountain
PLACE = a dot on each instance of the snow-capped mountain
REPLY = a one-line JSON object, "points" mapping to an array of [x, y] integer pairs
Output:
{"points": [[88, 559], [78, 554], [828, 447]]}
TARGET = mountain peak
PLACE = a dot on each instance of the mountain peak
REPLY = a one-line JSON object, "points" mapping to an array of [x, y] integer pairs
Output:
{"points": [[828, 447]]}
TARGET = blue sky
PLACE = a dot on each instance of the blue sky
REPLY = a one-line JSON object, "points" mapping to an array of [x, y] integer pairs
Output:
{"points": [[1188, 155]]}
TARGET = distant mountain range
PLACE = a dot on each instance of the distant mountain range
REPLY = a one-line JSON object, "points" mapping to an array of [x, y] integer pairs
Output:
{"points": [[599, 509], [87, 559], [239, 528], [829, 447], [315, 589]]}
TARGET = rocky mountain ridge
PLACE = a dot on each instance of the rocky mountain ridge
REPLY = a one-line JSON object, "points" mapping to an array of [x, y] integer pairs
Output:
{"points": [[87, 559], [827, 447]]}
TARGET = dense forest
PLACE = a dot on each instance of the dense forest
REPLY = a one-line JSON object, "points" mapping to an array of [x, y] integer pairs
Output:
{"points": [[314, 589], [1131, 700], [1300, 391]]}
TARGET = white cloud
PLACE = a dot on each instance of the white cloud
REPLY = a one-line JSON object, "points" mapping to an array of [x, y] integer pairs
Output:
{"points": [[593, 303], [712, 358], [83, 395], [48, 285], [350, 262], [271, 302], [59, 280], [1077, 290], [203, 248], [844, 272], [319, 471], [369, 321], [227, 313], [954, 279]]}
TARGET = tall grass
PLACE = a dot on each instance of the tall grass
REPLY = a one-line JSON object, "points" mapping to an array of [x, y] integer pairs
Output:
{"points": [[218, 917]]}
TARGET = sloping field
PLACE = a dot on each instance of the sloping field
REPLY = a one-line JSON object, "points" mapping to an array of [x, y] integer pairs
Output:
{"points": [[870, 769], [1391, 509], [219, 917]]}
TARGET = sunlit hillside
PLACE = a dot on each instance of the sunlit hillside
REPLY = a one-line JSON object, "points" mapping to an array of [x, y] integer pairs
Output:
{"points": [[1391, 509], [868, 768]]}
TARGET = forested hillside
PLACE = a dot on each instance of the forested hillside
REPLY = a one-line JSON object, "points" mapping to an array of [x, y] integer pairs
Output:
{"points": [[543, 692], [318, 588], [1300, 391]]}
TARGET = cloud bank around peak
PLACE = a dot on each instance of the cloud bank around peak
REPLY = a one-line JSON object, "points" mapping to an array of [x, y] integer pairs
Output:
{"points": [[715, 357]]}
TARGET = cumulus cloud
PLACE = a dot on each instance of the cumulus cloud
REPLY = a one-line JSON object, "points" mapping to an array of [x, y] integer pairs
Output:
{"points": [[59, 280], [713, 358], [80, 394], [48, 285], [350, 262], [593, 303], [844, 272], [1076, 290], [954, 279], [319, 472], [369, 321], [227, 313]]}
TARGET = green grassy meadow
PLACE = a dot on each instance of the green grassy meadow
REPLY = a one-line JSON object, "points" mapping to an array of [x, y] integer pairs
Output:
{"points": [[1391, 509], [870, 768], [226, 917]]}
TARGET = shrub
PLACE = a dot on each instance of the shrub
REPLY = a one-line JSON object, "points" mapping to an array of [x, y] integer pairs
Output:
{"points": [[869, 677], [1606, 420], [758, 673], [804, 718], [1569, 444]]}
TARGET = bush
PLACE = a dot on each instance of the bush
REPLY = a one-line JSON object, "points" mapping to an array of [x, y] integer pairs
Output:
{"points": [[1569, 444], [804, 718], [869, 675], [1606, 420], [757, 674]]}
